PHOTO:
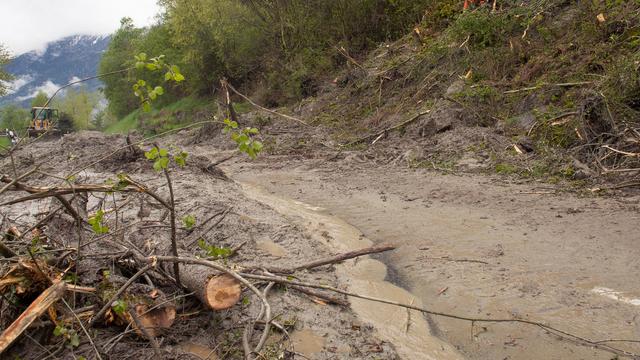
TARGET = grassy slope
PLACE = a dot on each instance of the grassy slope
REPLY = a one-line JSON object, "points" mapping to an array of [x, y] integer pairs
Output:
{"points": [[179, 113]]}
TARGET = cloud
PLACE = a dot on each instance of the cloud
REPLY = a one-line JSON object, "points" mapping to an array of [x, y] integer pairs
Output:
{"points": [[30, 25], [15, 85], [49, 87]]}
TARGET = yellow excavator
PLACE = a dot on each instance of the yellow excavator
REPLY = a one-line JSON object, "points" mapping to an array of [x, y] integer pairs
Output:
{"points": [[43, 120]]}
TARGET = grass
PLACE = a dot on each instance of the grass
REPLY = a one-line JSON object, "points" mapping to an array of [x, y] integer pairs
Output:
{"points": [[169, 117], [128, 123], [5, 142]]}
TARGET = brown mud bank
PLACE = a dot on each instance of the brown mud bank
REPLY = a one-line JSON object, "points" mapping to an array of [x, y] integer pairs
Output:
{"points": [[477, 246]]}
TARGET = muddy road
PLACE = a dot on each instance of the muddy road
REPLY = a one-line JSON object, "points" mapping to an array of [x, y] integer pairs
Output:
{"points": [[476, 246]]}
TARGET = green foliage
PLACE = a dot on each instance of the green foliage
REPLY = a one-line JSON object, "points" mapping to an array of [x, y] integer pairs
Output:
{"points": [[5, 77], [214, 252], [287, 46], [506, 169], [483, 28], [78, 104], [119, 307], [189, 221], [244, 138], [159, 120], [14, 117], [161, 158], [96, 223], [70, 336], [40, 99], [146, 92]]}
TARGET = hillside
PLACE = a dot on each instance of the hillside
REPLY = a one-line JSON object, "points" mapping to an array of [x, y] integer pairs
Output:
{"points": [[339, 179], [62, 61]]}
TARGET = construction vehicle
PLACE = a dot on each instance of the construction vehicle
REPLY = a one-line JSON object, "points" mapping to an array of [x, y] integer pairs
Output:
{"points": [[43, 120], [46, 120]]}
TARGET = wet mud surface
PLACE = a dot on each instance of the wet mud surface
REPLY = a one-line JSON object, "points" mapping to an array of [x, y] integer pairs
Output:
{"points": [[485, 247]]}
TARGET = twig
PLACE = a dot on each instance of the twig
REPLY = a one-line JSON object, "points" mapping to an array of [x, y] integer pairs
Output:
{"points": [[172, 217], [551, 329], [265, 109], [120, 291], [397, 126], [95, 348], [625, 153], [326, 298], [27, 174], [145, 333], [445, 258], [344, 256]]}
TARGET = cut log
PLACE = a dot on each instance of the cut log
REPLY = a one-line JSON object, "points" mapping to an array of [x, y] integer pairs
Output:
{"points": [[155, 320], [37, 308], [154, 310], [222, 292], [218, 292]]}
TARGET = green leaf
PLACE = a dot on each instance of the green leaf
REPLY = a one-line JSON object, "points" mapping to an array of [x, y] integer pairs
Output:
{"points": [[59, 330], [178, 77], [161, 164], [146, 106], [163, 152], [189, 221], [119, 307], [142, 56], [151, 154], [159, 90], [74, 340], [168, 76], [152, 67], [139, 65]]}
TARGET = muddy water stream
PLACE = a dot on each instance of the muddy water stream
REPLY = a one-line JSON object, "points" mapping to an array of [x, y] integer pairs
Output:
{"points": [[407, 331]]}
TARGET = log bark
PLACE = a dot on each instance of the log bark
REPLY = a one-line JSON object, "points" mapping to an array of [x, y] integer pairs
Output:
{"points": [[37, 308]]}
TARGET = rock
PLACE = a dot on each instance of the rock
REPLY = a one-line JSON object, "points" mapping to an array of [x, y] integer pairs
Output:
{"points": [[582, 171], [524, 121], [435, 126], [455, 87]]}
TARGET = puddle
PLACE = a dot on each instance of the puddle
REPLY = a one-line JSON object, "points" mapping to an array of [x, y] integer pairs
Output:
{"points": [[615, 295], [307, 342], [271, 248], [200, 351], [365, 276]]}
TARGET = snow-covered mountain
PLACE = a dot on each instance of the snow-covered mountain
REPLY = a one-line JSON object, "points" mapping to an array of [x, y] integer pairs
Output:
{"points": [[68, 59]]}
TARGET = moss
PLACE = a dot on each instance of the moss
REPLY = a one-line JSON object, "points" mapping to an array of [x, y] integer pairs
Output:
{"points": [[505, 169]]}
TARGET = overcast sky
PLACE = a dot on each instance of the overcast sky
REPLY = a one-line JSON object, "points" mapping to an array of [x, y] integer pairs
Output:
{"points": [[30, 24]]}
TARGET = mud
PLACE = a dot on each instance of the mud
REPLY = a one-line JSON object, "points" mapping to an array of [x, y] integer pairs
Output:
{"points": [[482, 247], [269, 238]]}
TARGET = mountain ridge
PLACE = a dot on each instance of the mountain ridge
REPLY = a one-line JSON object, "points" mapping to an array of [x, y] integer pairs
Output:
{"points": [[62, 61]]}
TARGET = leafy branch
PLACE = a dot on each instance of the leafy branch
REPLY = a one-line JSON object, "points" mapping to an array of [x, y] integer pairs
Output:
{"points": [[146, 92]]}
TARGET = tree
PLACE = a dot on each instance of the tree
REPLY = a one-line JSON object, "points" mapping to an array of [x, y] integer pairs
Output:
{"points": [[4, 76], [14, 117], [40, 99], [119, 55], [79, 105]]}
